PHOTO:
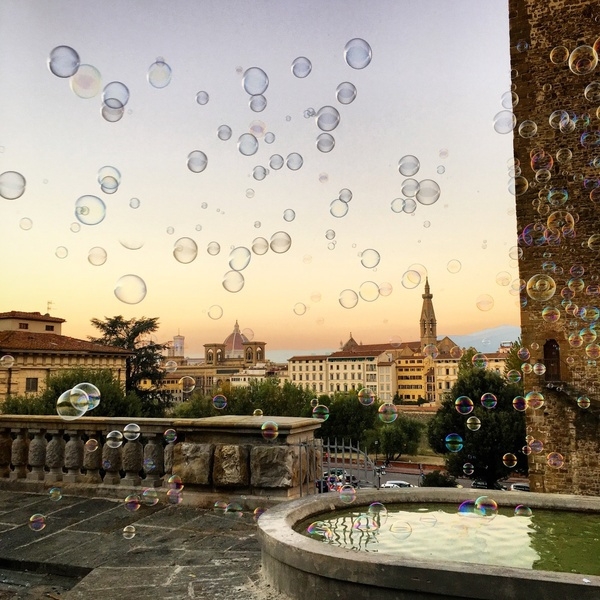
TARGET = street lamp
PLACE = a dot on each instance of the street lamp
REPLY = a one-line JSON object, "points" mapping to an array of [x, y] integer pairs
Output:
{"points": [[376, 449]]}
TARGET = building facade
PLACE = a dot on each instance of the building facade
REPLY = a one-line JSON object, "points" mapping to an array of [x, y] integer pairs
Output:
{"points": [[33, 348]]}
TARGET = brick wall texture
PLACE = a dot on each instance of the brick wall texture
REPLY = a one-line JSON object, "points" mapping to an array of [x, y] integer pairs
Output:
{"points": [[554, 48]]}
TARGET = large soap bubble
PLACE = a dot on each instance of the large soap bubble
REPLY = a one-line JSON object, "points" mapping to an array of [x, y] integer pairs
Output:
{"points": [[357, 53], [63, 61]]}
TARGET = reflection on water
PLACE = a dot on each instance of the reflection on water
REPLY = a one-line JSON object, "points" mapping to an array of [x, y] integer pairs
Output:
{"points": [[546, 540]]}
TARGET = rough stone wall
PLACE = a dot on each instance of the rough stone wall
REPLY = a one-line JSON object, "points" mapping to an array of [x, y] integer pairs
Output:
{"points": [[557, 188]]}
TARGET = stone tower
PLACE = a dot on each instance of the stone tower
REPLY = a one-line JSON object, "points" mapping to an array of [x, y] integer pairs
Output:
{"points": [[556, 175], [428, 322]]}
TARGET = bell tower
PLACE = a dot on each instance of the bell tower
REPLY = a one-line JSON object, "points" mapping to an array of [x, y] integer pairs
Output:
{"points": [[428, 322]]}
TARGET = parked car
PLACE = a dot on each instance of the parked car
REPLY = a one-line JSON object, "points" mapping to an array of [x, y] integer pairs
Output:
{"points": [[351, 480], [480, 484], [397, 484], [520, 487], [336, 472], [322, 486]]}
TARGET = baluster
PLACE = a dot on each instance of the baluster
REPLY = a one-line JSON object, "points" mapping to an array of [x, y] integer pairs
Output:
{"points": [[111, 463], [37, 455], [133, 453], [55, 456], [18, 452], [92, 459], [5, 449], [154, 460], [168, 454], [73, 457]]}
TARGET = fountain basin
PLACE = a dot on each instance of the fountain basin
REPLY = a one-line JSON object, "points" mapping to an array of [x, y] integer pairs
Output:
{"points": [[299, 566]]}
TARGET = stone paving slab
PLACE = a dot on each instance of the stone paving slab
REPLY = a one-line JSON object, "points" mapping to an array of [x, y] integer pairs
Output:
{"points": [[177, 552]]}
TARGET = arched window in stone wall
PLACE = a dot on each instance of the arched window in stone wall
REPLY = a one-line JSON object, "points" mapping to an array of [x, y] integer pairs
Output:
{"points": [[258, 353], [552, 360], [249, 354], [219, 356], [209, 356]]}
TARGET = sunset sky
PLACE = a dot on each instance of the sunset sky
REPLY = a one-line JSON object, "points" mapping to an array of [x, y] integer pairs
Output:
{"points": [[436, 79]]}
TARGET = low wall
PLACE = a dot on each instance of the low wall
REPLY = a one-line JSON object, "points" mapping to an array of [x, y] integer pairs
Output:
{"points": [[302, 567], [214, 456]]}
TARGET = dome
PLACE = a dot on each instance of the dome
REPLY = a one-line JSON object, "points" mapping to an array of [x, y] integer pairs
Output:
{"points": [[234, 343]]}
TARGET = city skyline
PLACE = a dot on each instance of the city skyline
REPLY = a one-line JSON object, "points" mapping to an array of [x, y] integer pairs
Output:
{"points": [[426, 93]]}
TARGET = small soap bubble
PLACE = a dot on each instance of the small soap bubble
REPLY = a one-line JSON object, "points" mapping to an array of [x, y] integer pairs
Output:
{"points": [[12, 185], [347, 494], [319, 531], [464, 405], [159, 74], [55, 494], [320, 412], [197, 161], [63, 61], [130, 289], [255, 81], [86, 82], [299, 308], [213, 248], [474, 423], [401, 530], [37, 522], [280, 242], [348, 298], [202, 98], [325, 143], [91, 445], [555, 460], [93, 393], [114, 439], [523, 511], [357, 53], [129, 532], [489, 400], [387, 412], [509, 460], [133, 502], [233, 281], [294, 161], [257, 103], [301, 67], [247, 144], [131, 431], [215, 312], [170, 436], [25, 223], [90, 210], [219, 402], [269, 430], [345, 92], [187, 384], [453, 442], [366, 397], [257, 412]]}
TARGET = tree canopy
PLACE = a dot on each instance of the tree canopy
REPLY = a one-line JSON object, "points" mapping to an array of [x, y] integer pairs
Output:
{"points": [[492, 449], [145, 361]]}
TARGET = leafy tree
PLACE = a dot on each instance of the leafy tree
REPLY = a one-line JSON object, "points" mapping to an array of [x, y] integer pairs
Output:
{"points": [[502, 430], [513, 362], [400, 437], [465, 363], [145, 360], [113, 402], [438, 479]]}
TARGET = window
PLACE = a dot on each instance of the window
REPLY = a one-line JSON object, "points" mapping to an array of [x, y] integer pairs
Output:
{"points": [[31, 384], [23, 325], [49, 327]]}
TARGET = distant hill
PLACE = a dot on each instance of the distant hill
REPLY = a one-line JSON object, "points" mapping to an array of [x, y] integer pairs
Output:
{"points": [[487, 340]]}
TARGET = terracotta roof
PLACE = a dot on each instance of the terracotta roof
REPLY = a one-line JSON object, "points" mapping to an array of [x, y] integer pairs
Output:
{"points": [[31, 316], [309, 357], [26, 341]]}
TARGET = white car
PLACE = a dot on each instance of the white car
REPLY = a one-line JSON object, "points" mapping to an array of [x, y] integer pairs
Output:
{"points": [[396, 484]]}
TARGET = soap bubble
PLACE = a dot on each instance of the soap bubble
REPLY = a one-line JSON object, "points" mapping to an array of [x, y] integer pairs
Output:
{"points": [[320, 412], [479, 360], [257, 412], [247, 144], [149, 495], [170, 366], [409, 165], [132, 502], [489, 400], [509, 460], [387, 412], [555, 460], [213, 248], [474, 423], [280, 242], [347, 494], [255, 81], [345, 93], [63, 61], [319, 531], [463, 405], [357, 53], [187, 384], [202, 98], [468, 469], [453, 442], [294, 161], [233, 281], [348, 298], [219, 402], [197, 161], [159, 74], [12, 185], [583, 60], [90, 210], [185, 250], [401, 530], [484, 302], [454, 266], [486, 507], [523, 511], [269, 430], [93, 393], [224, 132], [91, 445], [131, 431], [325, 143], [37, 522], [170, 436], [130, 289], [366, 397], [72, 405], [504, 122], [7, 361], [55, 494], [215, 312], [114, 439], [301, 67], [534, 400], [86, 82], [411, 279]]}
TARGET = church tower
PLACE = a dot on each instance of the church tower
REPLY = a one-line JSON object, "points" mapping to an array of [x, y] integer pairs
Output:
{"points": [[428, 322]]}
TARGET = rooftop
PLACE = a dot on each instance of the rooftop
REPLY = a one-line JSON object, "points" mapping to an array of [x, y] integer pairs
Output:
{"points": [[28, 341]]}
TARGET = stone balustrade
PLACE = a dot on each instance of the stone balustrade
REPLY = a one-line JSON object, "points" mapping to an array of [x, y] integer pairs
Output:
{"points": [[214, 456]]}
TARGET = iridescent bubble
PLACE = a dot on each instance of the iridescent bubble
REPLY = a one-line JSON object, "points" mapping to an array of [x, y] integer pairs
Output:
{"points": [[453, 442], [509, 460], [197, 161], [555, 460], [347, 494], [159, 74], [559, 55], [130, 289], [280, 242], [90, 210], [348, 298], [239, 258], [86, 82], [468, 469], [541, 287], [247, 144], [269, 429], [474, 423], [409, 165], [583, 402], [63, 61], [479, 360], [528, 129], [320, 531], [213, 248], [37, 522], [463, 405], [55, 494], [114, 439], [233, 281], [486, 507], [294, 161], [523, 353], [431, 351], [255, 81], [387, 412], [366, 397], [185, 250], [513, 376], [325, 143], [357, 53], [534, 399], [489, 400], [91, 445], [149, 495], [92, 392], [320, 412], [219, 402], [536, 446], [170, 436], [202, 98], [523, 511], [133, 502], [583, 60], [345, 93], [301, 67], [174, 496]]}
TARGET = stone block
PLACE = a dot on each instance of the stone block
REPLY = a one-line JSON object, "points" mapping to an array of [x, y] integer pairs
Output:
{"points": [[230, 466], [193, 462], [274, 467]]}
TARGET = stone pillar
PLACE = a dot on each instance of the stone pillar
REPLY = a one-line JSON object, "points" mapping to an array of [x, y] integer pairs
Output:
{"points": [[92, 460], [154, 460], [73, 458], [18, 452], [37, 455], [55, 457], [169, 449], [5, 449], [111, 463], [133, 453]]}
